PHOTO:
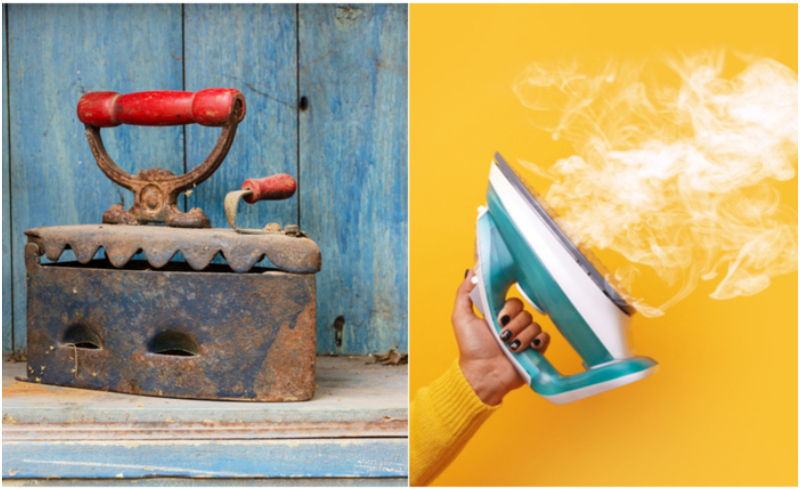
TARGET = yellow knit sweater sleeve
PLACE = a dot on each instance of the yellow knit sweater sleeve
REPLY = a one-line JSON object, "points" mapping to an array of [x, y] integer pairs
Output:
{"points": [[444, 416]]}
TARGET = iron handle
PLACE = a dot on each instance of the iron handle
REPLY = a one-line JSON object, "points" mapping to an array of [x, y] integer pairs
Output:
{"points": [[272, 188], [156, 190], [209, 107]]}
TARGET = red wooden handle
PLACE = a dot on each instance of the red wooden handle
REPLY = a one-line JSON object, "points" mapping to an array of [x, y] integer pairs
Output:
{"points": [[209, 107], [274, 187]]}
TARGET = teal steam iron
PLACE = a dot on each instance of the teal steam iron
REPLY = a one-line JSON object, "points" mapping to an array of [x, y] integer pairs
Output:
{"points": [[520, 242]]}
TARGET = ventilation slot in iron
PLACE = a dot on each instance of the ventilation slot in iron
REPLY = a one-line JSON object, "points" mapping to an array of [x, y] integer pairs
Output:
{"points": [[175, 344], [82, 337]]}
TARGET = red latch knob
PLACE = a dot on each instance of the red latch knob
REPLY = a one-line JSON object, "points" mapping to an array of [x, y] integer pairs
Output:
{"points": [[273, 188]]}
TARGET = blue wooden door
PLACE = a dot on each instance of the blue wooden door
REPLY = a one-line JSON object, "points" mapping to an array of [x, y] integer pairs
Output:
{"points": [[346, 144]]}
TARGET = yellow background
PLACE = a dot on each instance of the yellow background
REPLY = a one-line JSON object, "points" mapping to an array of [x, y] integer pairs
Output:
{"points": [[723, 408]]}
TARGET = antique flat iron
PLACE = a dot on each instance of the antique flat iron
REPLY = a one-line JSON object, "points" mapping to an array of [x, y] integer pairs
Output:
{"points": [[520, 242], [159, 326]]}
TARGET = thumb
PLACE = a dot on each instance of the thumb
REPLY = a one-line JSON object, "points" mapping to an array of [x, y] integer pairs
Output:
{"points": [[463, 307]]}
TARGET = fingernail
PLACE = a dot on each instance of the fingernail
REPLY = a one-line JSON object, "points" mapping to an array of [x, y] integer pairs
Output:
{"points": [[466, 274], [505, 335], [536, 342], [504, 321], [515, 345]]}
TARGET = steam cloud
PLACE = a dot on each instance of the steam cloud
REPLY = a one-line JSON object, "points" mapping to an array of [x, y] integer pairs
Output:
{"points": [[677, 177]]}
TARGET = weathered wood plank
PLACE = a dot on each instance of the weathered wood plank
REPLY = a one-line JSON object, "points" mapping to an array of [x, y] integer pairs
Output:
{"points": [[207, 430], [207, 459], [8, 326], [56, 54], [252, 48], [215, 482], [353, 169], [349, 391]]}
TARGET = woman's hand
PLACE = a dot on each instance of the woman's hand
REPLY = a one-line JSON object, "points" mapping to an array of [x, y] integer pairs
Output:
{"points": [[484, 365]]}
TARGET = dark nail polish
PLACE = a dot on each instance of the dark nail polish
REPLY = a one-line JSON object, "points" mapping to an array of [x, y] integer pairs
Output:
{"points": [[466, 274], [505, 335], [504, 321], [515, 345], [536, 342]]}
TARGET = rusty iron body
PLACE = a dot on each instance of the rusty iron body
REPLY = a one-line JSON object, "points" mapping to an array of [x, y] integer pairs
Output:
{"points": [[159, 327]]}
